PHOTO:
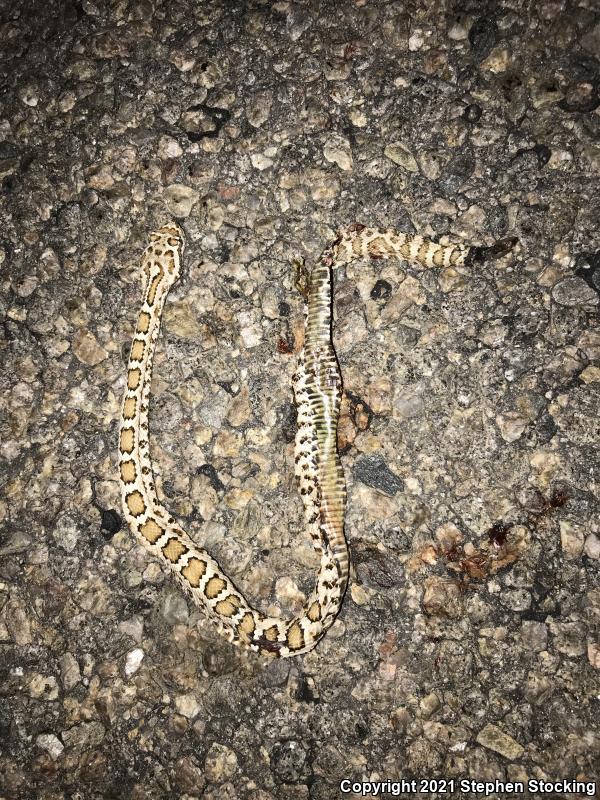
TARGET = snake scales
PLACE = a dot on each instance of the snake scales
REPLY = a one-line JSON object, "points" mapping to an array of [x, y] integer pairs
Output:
{"points": [[317, 389]]}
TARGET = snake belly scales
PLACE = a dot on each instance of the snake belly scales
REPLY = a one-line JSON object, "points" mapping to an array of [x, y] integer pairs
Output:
{"points": [[317, 388]]}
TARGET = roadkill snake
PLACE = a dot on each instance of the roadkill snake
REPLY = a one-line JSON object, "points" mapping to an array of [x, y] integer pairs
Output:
{"points": [[317, 388]]}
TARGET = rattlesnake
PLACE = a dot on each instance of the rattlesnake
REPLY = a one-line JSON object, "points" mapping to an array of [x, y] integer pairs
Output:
{"points": [[317, 389]]}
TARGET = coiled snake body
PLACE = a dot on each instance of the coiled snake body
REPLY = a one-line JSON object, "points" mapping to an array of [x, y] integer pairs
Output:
{"points": [[317, 388]]}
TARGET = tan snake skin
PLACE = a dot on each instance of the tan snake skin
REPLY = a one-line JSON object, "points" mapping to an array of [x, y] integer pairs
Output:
{"points": [[317, 388]]}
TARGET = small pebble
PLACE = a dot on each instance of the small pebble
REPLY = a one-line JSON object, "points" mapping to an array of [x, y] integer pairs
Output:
{"points": [[592, 546], [51, 744], [400, 154], [111, 523], [133, 661], [187, 705], [179, 200], [574, 292], [493, 738], [87, 349]]}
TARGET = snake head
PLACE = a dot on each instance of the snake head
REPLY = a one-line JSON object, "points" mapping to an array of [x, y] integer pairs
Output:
{"points": [[164, 252], [171, 235]]}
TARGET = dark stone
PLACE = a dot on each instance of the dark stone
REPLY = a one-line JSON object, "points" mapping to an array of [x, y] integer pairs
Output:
{"points": [[472, 113], [381, 291], [111, 523], [543, 154], [374, 472], [483, 36], [213, 478], [587, 266], [289, 760]]}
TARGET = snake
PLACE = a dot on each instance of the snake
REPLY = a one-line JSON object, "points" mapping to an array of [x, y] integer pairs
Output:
{"points": [[317, 388]]}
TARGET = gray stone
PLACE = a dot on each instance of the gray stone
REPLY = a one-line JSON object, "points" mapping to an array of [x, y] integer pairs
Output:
{"points": [[51, 744], [493, 738], [374, 472], [180, 199], [87, 349], [221, 763], [69, 671], [534, 635], [84, 736], [174, 608], [401, 155], [575, 291]]}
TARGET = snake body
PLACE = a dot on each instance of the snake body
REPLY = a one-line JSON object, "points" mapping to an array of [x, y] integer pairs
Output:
{"points": [[317, 389]]}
